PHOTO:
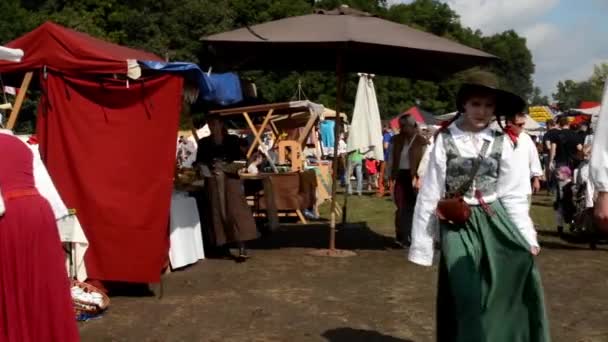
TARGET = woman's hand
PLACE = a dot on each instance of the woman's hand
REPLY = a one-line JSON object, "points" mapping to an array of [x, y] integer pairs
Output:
{"points": [[535, 185], [535, 251], [416, 183], [601, 211]]}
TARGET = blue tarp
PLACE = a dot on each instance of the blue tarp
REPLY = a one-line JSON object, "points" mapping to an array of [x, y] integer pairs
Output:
{"points": [[223, 89]]}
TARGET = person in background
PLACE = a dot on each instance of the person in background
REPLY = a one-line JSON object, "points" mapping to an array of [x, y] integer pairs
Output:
{"points": [[550, 135], [225, 216], [355, 163], [342, 155], [371, 170], [255, 162], [565, 146], [424, 162], [408, 148], [526, 163], [387, 136], [564, 203]]}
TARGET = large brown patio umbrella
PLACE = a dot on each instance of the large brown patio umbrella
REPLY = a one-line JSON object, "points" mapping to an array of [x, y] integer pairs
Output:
{"points": [[344, 40]]}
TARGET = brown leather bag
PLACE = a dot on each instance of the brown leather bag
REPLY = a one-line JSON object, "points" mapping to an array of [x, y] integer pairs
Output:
{"points": [[453, 209]]}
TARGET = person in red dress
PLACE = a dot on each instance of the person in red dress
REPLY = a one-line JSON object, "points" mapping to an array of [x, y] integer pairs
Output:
{"points": [[35, 300]]}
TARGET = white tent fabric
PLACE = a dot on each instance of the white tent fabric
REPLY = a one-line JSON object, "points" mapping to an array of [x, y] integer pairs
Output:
{"points": [[588, 111], [594, 112], [366, 128], [12, 55]]}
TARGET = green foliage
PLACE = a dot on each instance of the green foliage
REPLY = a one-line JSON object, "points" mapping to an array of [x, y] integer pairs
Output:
{"points": [[515, 67], [537, 99], [570, 93], [173, 28]]}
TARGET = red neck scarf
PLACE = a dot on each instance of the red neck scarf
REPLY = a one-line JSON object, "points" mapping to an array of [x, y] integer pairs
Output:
{"points": [[33, 140], [511, 134]]}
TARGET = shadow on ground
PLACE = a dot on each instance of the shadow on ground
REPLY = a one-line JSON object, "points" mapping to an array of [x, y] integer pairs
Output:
{"points": [[359, 335], [352, 236], [567, 241]]}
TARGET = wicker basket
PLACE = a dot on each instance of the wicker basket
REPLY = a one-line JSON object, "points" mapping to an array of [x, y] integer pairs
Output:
{"points": [[82, 307]]}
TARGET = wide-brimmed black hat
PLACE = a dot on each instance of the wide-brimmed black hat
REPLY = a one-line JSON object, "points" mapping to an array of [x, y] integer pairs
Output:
{"points": [[507, 103]]}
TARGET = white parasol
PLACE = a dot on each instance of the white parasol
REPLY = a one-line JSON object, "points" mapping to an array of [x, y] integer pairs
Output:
{"points": [[366, 129]]}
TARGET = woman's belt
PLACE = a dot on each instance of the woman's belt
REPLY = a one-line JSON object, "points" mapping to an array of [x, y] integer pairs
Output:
{"points": [[18, 193]]}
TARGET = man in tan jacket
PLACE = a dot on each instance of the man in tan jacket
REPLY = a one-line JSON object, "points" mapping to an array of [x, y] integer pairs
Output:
{"points": [[408, 148]]}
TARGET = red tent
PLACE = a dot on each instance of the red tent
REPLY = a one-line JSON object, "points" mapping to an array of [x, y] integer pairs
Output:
{"points": [[108, 144], [421, 116], [589, 104], [71, 52]]}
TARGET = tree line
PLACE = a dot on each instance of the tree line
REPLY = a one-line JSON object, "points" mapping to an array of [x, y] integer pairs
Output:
{"points": [[172, 29]]}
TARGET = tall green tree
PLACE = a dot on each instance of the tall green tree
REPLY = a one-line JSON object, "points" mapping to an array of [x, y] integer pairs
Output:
{"points": [[570, 93], [172, 29], [538, 99], [515, 67]]}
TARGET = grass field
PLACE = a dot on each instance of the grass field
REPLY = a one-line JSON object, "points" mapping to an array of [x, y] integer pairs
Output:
{"points": [[380, 212]]}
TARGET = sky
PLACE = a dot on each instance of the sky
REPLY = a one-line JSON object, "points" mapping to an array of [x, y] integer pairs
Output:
{"points": [[566, 37]]}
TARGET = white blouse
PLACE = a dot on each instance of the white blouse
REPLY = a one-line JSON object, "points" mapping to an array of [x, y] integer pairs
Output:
{"points": [[526, 164], [424, 229]]}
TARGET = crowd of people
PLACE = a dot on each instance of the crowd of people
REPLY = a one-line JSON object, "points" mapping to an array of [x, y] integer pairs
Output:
{"points": [[566, 151]]}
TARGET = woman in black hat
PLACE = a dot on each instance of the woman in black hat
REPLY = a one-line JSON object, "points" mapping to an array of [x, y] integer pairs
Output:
{"points": [[489, 286]]}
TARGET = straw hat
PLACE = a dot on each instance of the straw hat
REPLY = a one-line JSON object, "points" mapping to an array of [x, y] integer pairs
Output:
{"points": [[507, 103]]}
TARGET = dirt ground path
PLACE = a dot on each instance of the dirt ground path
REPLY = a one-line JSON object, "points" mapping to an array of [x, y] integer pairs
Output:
{"points": [[282, 294]]}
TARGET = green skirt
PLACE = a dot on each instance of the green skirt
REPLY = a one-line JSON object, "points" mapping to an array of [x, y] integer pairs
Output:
{"points": [[489, 287]]}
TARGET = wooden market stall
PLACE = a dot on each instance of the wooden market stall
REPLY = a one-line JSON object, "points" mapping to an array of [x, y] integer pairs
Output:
{"points": [[301, 185]]}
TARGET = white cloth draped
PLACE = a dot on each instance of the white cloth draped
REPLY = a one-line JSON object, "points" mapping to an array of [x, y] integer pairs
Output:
{"points": [[424, 228], [70, 231], [11, 55], [186, 238], [45, 185], [366, 128]]}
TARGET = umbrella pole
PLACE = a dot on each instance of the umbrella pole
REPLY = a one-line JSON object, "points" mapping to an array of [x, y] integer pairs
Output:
{"points": [[332, 251], [337, 131]]}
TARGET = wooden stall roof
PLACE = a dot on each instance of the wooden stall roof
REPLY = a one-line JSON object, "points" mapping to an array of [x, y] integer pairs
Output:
{"points": [[281, 108]]}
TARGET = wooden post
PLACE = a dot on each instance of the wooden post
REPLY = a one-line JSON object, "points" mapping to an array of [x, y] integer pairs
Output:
{"points": [[19, 100], [275, 130], [258, 134]]}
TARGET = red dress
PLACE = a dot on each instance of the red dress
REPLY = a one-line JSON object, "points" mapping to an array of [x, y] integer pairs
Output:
{"points": [[35, 301]]}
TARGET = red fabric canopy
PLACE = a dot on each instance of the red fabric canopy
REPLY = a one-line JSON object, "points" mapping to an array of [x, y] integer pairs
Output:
{"points": [[71, 52], [109, 146], [588, 104], [111, 153], [417, 114]]}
